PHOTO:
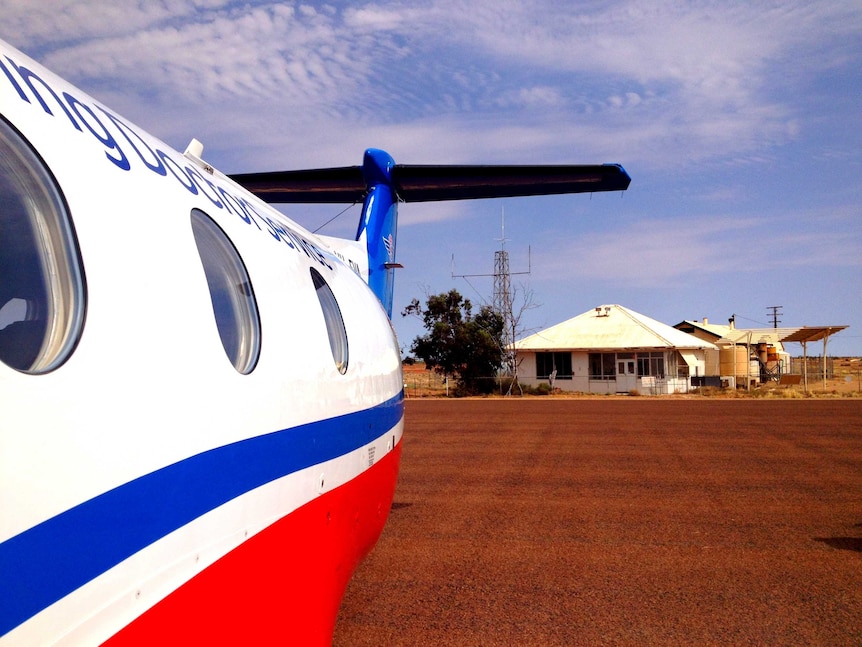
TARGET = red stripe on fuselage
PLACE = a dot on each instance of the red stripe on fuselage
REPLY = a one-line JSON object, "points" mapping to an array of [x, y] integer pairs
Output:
{"points": [[285, 584]]}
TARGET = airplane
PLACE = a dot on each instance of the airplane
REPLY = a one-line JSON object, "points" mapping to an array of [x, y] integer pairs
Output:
{"points": [[201, 402]]}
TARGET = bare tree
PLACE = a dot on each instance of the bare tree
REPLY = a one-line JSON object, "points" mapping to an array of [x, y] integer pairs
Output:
{"points": [[521, 301]]}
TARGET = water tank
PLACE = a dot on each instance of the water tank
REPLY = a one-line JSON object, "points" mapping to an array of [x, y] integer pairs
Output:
{"points": [[733, 360]]}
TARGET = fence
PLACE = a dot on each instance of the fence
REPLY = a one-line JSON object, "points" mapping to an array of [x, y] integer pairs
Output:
{"points": [[814, 367], [423, 383]]}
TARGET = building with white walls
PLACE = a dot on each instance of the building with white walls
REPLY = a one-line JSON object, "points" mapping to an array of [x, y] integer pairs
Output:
{"points": [[611, 349]]}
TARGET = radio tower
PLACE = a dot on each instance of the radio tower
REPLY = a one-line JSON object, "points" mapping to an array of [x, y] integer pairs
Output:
{"points": [[503, 303], [502, 299], [503, 296]]}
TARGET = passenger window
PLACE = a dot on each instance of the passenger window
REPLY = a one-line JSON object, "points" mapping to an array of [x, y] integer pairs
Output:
{"points": [[42, 292], [334, 321], [231, 292]]}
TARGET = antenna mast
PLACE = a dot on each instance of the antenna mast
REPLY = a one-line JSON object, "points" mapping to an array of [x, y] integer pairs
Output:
{"points": [[503, 287], [502, 299]]}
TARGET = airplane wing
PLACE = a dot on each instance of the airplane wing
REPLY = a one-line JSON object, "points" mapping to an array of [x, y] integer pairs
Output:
{"points": [[380, 184], [429, 183]]}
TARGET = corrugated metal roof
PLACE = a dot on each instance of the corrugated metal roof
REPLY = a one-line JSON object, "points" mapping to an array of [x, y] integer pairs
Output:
{"points": [[813, 333], [727, 335], [777, 335], [718, 330], [756, 335], [610, 327]]}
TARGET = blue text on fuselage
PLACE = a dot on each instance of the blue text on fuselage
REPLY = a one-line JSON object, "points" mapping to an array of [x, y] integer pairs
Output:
{"points": [[157, 161]]}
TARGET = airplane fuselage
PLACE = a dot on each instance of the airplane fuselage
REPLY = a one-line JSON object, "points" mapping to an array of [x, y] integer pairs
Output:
{"points": [[158, 471]]}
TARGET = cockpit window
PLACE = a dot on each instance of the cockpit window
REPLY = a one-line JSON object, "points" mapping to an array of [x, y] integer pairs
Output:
{"points": [[233, 300], [42, 293], [334, 321]]}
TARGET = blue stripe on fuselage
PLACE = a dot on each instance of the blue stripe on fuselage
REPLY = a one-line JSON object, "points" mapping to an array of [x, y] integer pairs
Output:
{"points": [[50, 560]]}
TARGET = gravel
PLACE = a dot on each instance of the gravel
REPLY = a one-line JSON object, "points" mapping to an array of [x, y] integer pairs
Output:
{"points": [[619, 521]]}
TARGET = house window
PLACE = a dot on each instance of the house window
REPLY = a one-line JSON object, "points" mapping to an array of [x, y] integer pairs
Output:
{"points": [[547, 363], [677, 360], [602, 366], [651, 364]]}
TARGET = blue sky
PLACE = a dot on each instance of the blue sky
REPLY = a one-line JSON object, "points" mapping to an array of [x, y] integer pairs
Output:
{"points": [[740, 124]]}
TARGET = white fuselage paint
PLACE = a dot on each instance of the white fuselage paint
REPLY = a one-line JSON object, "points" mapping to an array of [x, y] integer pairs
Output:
{"points": [[149, 383]]}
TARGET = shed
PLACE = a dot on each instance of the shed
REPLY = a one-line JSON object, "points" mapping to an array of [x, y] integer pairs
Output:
{"points": [[611, 349], [751, 355]]}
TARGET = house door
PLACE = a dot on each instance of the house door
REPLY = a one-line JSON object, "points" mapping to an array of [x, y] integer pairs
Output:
{"points": [[627, 379]]}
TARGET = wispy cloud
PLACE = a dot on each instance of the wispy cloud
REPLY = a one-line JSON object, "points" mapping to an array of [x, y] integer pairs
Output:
{"points": [[660, 252], [725, 113], [665, 81]]}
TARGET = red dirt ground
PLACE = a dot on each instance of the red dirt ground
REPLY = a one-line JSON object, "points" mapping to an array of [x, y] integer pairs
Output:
{"points": [[619, 521]]}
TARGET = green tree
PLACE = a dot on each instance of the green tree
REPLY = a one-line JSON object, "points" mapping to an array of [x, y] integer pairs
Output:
{"points": [[459, 344]]}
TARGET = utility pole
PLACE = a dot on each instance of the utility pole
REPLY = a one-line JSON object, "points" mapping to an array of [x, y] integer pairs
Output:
{"points": [[776, 310]]}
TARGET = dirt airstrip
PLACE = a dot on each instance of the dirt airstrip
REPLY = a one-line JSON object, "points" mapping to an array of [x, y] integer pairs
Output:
{"points": [[619, 521]]}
